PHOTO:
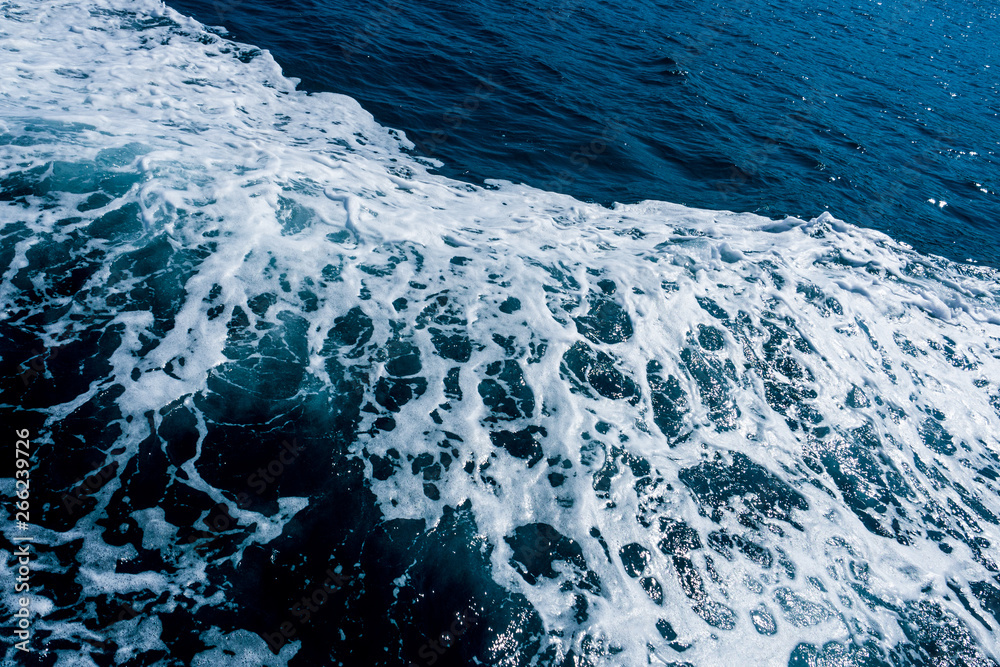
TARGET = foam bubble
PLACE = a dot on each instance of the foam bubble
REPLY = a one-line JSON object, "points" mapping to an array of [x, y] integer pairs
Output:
{"points": [[787, 427]]}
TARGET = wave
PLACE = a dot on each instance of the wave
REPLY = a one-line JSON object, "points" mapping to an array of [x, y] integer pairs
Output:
{"points": [[297, 400]]}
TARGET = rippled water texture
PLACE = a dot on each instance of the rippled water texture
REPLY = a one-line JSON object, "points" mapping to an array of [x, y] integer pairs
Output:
{"points": [[884, 113], [297, 400]]}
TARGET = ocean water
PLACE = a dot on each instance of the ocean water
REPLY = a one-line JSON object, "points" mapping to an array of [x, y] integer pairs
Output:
{"points": [[884, 113], [300, 396]]}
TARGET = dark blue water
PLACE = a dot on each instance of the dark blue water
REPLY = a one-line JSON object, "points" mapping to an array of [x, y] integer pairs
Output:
{"points": [[867, 109], [292, 402]]}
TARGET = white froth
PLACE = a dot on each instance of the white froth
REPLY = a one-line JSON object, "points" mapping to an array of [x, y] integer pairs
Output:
{"points": [[286, 183]]}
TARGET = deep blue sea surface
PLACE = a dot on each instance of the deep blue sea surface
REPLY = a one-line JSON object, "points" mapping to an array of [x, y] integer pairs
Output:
{"points": [[886, 114], [506, 335]]}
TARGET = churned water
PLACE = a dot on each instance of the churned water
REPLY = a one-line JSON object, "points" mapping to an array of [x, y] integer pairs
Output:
{"points": [[887, 114], [300, 395]]}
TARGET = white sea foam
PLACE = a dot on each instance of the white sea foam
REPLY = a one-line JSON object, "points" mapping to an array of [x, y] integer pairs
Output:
{"points": [[274, 185]]}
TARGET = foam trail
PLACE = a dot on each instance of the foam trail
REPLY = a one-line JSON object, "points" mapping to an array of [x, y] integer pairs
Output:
{"points": [[292, 362]]}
